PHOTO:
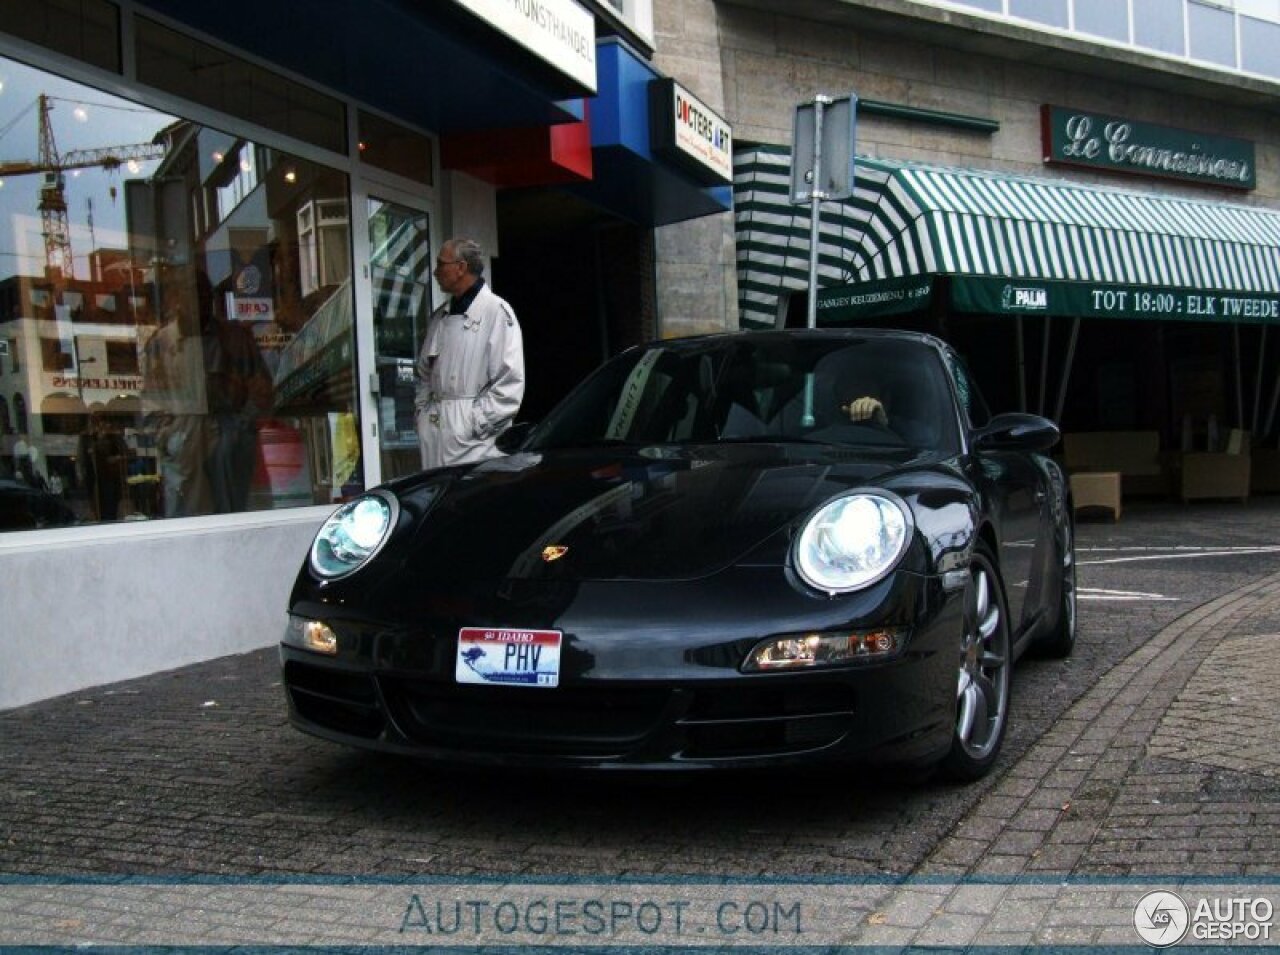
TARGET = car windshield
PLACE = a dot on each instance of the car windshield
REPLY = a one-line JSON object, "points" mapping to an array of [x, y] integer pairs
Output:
{"points": [[853, 391]]}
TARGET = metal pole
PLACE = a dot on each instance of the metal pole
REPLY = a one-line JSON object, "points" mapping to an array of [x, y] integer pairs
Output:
{"points": [[1066, 368], [1022, 366], [1235, 338], [1257, 381], [1044, 364], [1271, 412], [816, 195]]}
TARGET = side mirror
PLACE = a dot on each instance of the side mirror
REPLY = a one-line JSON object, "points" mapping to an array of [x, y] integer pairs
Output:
{"points": [[1016, 432], [513, 439]]}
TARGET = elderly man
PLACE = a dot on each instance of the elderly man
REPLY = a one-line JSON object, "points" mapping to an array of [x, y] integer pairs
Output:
{"points": [[471, 367]]}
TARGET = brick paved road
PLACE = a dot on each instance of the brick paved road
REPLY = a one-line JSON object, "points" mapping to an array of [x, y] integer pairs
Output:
{"points": [[195, 771]]}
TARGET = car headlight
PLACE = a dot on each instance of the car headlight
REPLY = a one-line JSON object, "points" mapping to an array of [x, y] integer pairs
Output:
{"points": [[353, 534], [853, 541]]}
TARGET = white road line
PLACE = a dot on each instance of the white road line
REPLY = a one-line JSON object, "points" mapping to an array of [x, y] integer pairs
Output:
{"points": [[1235, 552], [1243, 548], [1090, 593]]}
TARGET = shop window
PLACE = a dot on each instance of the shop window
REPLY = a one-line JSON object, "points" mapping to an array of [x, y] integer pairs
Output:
{"points": [[196, 367], [1103, 18], [395, 148], [1157, 25], [213, 77], [87, 30], [994, 6]]}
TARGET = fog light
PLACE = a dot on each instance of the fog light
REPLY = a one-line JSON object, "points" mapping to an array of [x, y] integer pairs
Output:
{"points": [[311, 635], [798, 651], [318, 637]]}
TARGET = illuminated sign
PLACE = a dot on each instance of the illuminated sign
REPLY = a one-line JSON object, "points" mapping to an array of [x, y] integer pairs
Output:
{"points": [[687, 131]]}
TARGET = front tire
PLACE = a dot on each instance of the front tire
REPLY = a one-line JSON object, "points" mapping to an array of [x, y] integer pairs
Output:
{"points": [[982, 688]]}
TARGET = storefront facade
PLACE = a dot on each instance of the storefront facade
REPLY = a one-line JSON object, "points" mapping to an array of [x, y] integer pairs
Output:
{"points": [[221, 223], [1114, 168]]}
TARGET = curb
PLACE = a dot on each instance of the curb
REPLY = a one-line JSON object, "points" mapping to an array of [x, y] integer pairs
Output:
{"points": [[1044, 813]]}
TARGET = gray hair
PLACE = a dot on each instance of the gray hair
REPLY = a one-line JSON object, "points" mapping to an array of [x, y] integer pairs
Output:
{"points": [[469, 251]]}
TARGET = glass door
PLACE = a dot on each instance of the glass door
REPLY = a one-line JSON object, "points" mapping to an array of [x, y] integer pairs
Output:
{"points": [[400, 285]]}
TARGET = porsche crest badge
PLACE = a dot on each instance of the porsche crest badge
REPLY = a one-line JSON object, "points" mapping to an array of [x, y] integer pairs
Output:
{"points": [[554, 552]]}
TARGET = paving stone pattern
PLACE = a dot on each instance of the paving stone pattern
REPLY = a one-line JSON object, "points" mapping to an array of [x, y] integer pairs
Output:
{"points": [[1144, 753]]}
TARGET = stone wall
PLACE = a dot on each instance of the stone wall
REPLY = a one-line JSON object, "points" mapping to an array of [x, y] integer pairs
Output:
{"points": [[773, 61], [696, 273], [755, 65]]}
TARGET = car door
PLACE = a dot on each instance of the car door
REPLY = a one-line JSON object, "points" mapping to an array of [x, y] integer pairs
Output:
{"points": [[1014, 488]]}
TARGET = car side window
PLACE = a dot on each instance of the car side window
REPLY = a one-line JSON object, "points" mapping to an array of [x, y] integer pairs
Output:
{"points": [[971, 400]]}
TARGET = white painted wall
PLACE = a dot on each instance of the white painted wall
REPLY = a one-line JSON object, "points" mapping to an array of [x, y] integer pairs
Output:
{"points": [[93, 605]]}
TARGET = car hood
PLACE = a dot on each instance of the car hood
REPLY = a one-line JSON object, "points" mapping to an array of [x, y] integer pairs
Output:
{"points": [[655, 513]]}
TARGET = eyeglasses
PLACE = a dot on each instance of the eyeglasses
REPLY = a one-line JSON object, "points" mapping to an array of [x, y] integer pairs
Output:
{"points": [[440, 263]]}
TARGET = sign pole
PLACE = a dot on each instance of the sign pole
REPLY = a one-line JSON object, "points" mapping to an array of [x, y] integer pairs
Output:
{"points": [[815, 210], [820, 171]]}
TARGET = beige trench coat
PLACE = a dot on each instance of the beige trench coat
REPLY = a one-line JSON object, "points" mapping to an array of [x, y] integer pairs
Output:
{"points": [[470, 381]]}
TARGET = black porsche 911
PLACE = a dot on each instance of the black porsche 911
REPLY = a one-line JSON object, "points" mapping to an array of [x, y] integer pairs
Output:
{"points": [[741, 550]]}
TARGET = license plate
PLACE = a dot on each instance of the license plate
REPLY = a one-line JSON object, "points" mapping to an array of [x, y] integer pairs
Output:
{"points": [[508, 657]]}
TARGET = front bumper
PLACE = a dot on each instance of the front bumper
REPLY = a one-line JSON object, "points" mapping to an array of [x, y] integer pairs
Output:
{"points": [[659, 693]]}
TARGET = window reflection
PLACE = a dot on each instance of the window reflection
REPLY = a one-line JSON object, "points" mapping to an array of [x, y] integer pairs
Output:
{"points": [[1051, 12], [1259, 46], [1211, 31], [192, 351], [1207, 36], [1157, 25], [394, 148], [1104, 18], [88, 30]]}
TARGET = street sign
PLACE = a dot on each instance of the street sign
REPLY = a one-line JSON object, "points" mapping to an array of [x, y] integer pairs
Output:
{"points": [[835, 177]]}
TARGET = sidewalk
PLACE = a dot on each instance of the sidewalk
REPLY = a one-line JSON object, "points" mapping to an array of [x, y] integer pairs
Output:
{"points": [[1169, 765]]}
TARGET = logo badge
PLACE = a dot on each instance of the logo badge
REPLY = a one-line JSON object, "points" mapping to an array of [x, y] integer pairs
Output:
{"points": [[1016, 299], [1161, 918], [554, 552]]}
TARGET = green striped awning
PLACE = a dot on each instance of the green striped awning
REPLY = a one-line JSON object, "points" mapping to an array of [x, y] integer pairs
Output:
{"points": [[910, 219]]}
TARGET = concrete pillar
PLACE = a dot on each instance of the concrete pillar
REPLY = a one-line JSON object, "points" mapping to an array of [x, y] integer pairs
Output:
{"points": [[695, 267]]}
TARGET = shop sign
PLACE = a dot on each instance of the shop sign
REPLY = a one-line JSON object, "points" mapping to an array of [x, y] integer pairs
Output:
{"points": [[687, 131], [252, 299], [254, 309], [1078, 138], [845, 303], [1002, 296], [559, 32], [117, 385]]}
